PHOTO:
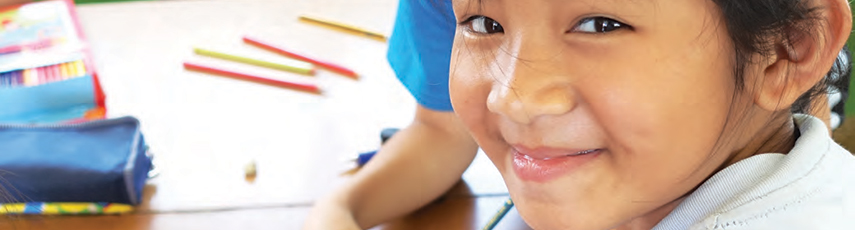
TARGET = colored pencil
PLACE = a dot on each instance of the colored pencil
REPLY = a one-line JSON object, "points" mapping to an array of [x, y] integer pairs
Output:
{"points": [[256, 62], [346, 27], [81, 67], [44, 74], [57, 72], [17, 78], [75, 72], [241, 76], [48, 73], [25, 78], [72, 70], [63, 208], [11, 78], [326, 65], [506, 207], [66, 72]]}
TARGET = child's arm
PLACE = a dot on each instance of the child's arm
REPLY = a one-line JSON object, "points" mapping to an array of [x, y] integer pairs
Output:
{"points": [[414, 167]]}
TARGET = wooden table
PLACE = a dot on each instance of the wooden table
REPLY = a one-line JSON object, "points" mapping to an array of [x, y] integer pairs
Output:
{"points": [[204, 129]]}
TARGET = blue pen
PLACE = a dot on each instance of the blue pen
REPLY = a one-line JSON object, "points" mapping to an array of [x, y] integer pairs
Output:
{"points": [[366, 156]]}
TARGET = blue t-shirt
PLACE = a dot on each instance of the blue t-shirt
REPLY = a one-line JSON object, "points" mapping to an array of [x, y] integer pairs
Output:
{"points": [[420, 50]]}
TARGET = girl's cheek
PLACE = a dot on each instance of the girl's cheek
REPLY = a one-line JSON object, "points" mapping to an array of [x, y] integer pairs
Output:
{"points": [[468, 89], [464, 91]]}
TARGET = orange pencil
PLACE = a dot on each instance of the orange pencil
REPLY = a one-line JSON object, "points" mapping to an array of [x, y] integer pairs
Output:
{"points": [[242, 76], [326, 65], [63, 69]]}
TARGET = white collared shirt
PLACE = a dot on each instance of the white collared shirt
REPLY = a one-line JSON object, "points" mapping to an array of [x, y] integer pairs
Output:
{"points": [[811, 187]]}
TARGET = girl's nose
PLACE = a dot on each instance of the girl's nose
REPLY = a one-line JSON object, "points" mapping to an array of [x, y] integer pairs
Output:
{"points": [[533, 85], [524, 102]]}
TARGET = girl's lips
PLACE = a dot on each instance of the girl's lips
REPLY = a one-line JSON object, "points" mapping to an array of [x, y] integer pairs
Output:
{"points": [[544, 164]]}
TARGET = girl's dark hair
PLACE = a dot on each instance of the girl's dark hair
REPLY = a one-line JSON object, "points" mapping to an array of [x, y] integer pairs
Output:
{"points": [[751, 23], [841, 69]]}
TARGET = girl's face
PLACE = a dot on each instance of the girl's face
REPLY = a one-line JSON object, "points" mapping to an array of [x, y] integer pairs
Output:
{"points": [[597, 113]]}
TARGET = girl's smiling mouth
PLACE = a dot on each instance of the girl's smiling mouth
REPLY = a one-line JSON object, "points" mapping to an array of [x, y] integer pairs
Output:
{"points": [[541, 164]]}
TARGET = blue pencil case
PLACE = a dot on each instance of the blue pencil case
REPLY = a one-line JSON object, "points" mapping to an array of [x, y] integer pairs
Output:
{"points": [[97, 161]]}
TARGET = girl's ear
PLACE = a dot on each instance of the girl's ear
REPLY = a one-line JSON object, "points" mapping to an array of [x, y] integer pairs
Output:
{"points": [[804, 58]]}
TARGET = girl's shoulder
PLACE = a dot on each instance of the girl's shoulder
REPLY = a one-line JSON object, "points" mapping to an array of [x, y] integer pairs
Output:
{"points": [[811, 187]]}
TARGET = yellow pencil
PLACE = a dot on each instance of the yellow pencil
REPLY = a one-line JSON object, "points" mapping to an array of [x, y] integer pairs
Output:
{"points": [[256, 62], [345, 27], [72, 70], [81, 68], [63, 70], [76, 67], [28, 77]]}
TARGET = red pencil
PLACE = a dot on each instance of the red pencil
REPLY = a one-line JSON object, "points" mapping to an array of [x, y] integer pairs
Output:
{"points": [[57, 73], [325, 65], [297, 86]]}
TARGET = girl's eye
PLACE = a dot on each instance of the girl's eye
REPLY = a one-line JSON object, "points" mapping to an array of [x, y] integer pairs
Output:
{"points": [[483, 25], [599, 25]]}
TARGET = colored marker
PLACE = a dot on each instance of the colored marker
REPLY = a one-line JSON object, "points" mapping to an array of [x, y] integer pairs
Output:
{"points": [[499, 214], [279, 50], [297, 86], [345, 27], [255, 62]]}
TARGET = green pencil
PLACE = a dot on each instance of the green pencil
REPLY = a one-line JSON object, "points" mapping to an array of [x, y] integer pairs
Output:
{"points": [[255, 62], [499, 214]]}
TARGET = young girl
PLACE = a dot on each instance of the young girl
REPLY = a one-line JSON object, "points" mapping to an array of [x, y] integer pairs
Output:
{"points": [[656, 114], [620, 114]]}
